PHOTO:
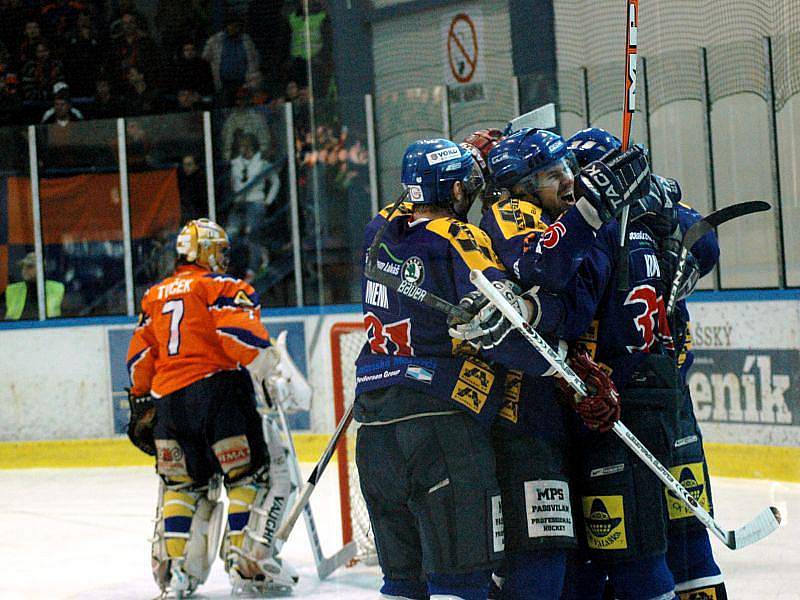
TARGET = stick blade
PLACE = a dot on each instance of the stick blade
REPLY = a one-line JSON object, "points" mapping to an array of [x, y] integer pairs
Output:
{"points": [[543, 117], [764, 523], [343, 557]]}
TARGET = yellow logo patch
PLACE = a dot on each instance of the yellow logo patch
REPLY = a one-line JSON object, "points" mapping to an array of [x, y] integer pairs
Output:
{"points": [[511, 391], [604, 517], [473, 385], [469, 396], [242, 299], [704, 594], [693, 478]]}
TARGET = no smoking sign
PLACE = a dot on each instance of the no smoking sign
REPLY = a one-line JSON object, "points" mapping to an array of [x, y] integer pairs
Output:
{"points": [[462, 34]]}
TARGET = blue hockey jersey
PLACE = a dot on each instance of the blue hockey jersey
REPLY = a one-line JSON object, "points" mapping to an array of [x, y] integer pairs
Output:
{"points": [[532, 247], [408, 343]]}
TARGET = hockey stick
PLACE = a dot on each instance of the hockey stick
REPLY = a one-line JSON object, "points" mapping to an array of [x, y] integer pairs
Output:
{"points": [[761, 526], [629, 106], [325, 565], [700, 229], [302, 500], [543, 117]]}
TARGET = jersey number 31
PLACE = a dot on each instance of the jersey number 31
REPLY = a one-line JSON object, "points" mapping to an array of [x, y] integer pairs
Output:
{"points": [[379, 336]]}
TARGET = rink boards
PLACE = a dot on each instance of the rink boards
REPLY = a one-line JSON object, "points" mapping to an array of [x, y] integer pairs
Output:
{"points": [[64, 403]]}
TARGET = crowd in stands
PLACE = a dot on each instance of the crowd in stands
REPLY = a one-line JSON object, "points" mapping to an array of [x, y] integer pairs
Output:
{"points": [[105, 58]]}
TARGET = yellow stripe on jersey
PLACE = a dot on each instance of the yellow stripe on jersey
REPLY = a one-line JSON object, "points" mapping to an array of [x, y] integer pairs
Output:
{"points": [[405, 209], [517, 217], [472, 244]]}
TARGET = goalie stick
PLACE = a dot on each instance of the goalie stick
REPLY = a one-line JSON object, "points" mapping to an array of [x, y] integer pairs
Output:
{"points": [[325, 565], [700, 229], [305, 495], [543, 117], [758, 528]]}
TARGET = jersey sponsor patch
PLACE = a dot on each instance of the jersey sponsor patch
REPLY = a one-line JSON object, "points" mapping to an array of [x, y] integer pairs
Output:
{"points": [[443, 155], [692, 477], [413, 270], [478, 375], [685, 441], [420, 373], [498, 527], [609, 470], [547, 506], [232, 452], [171, 460], [604, 518], [511, 392], [242, 299]]}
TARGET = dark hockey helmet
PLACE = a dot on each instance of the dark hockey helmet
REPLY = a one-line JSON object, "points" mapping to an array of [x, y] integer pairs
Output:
{"points": [[589, 145], [523, 154], [431, 167]]}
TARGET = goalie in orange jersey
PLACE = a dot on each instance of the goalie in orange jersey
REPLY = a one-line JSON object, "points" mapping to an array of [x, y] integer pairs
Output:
{"points": [[198, 355]]}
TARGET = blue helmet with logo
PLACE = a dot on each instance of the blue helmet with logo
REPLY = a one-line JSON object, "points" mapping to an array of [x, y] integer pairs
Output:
{"points": [[589, 145], [431, 167], [524, 153]]}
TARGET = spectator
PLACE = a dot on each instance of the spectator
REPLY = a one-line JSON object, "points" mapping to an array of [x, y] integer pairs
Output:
{"points": [[80, 60], [269, 29], [140, 98], [249, 171], [10, 100], [193, 190], [60, 19], [232, 55], [19, 301], [105, 105], [178, 21], [188, 100], [319, 45], [192, 71], [62, 112], [32, 37], [133, 48], [40, 75], [245, 119]]}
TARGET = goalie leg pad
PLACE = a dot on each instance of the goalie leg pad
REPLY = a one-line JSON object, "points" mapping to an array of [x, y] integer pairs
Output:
{"points": [[187, 531]]}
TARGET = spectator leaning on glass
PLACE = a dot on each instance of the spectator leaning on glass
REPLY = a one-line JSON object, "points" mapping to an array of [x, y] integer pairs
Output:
{"points": [[19, 300]]}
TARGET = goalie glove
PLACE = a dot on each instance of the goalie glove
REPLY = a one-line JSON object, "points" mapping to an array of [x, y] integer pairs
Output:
{"points": [[142, 422], [488, 327], [606, 186], [600, 409], [274, 370]]}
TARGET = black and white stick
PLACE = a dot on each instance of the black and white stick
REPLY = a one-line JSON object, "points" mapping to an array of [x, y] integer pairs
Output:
{"points": [[761, 526], [700, 229]]}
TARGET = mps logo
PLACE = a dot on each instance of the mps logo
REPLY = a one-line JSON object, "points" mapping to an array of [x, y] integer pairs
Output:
{"points": [[413, 270]]}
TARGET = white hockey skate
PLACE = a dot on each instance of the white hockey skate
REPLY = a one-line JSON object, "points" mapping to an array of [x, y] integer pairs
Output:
{"points": [[273, 578]]}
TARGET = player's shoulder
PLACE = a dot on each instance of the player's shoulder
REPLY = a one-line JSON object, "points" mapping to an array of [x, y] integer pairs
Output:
{"points": [[471, 243], [404, 210], [513, 217], [227, 290]]}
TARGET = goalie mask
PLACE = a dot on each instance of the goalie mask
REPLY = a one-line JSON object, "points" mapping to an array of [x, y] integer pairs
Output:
{"points": [[204, 243]]}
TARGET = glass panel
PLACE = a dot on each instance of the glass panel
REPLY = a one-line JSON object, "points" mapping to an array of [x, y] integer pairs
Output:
{"points": [[333, 189], [81, 216], [253, 200], [403, 116], [166, 186], [16, 227], [789, 154]]}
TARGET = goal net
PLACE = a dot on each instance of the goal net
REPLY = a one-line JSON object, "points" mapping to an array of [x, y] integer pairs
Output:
{"points": [[346, 341]]}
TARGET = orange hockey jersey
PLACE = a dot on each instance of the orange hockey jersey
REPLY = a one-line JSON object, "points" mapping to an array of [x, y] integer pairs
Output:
{"points": [[193, 324]]}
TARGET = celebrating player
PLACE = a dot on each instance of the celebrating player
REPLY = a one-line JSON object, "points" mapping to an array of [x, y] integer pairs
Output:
{"points": [[625, 507], [193, 407], [532, 458], [423, 453]]}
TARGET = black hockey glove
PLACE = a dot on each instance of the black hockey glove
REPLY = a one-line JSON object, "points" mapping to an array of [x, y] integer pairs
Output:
{"points": [[142, 422], [613, 182], [488, 327], [658, 210]]}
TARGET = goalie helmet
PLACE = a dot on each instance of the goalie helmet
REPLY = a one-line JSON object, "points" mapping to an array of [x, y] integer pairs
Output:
{"points": [[205, 244], [589, 145], [431, 167], [524, 153]]}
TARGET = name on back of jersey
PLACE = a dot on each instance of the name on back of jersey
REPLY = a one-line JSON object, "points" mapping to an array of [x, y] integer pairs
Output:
{"points": [[376, 294], [178, 286]]}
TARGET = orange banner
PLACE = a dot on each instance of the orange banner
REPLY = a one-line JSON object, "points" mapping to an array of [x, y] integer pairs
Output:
{"points": [[87, 207]]}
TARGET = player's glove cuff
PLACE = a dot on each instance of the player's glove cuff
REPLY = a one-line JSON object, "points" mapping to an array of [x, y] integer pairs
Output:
{"points": [[142, 422]]}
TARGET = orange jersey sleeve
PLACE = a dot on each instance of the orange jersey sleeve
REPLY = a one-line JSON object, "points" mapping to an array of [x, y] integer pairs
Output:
{"points": [[193, 324]]}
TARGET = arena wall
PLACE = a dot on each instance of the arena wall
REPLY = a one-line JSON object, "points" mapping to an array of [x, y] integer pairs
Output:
{"points": [[63, 402]]}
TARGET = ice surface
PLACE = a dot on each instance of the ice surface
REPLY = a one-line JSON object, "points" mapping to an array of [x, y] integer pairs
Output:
{"points": [[82, 534]]}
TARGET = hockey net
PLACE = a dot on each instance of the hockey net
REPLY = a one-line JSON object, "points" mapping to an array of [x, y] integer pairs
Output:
{"points": [[347, 340]]}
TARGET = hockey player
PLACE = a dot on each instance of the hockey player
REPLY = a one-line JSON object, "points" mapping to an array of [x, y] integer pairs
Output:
{"points": [[193, 407], [632, 338], [423, 452], [532, 457]]}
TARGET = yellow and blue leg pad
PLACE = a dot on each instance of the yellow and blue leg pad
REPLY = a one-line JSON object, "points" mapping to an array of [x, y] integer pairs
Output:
{"points": [[179, 509]]}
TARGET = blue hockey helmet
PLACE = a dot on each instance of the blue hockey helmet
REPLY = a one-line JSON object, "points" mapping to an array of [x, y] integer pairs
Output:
{"points": [[589, 145], [431, 167], [524, 153]]}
